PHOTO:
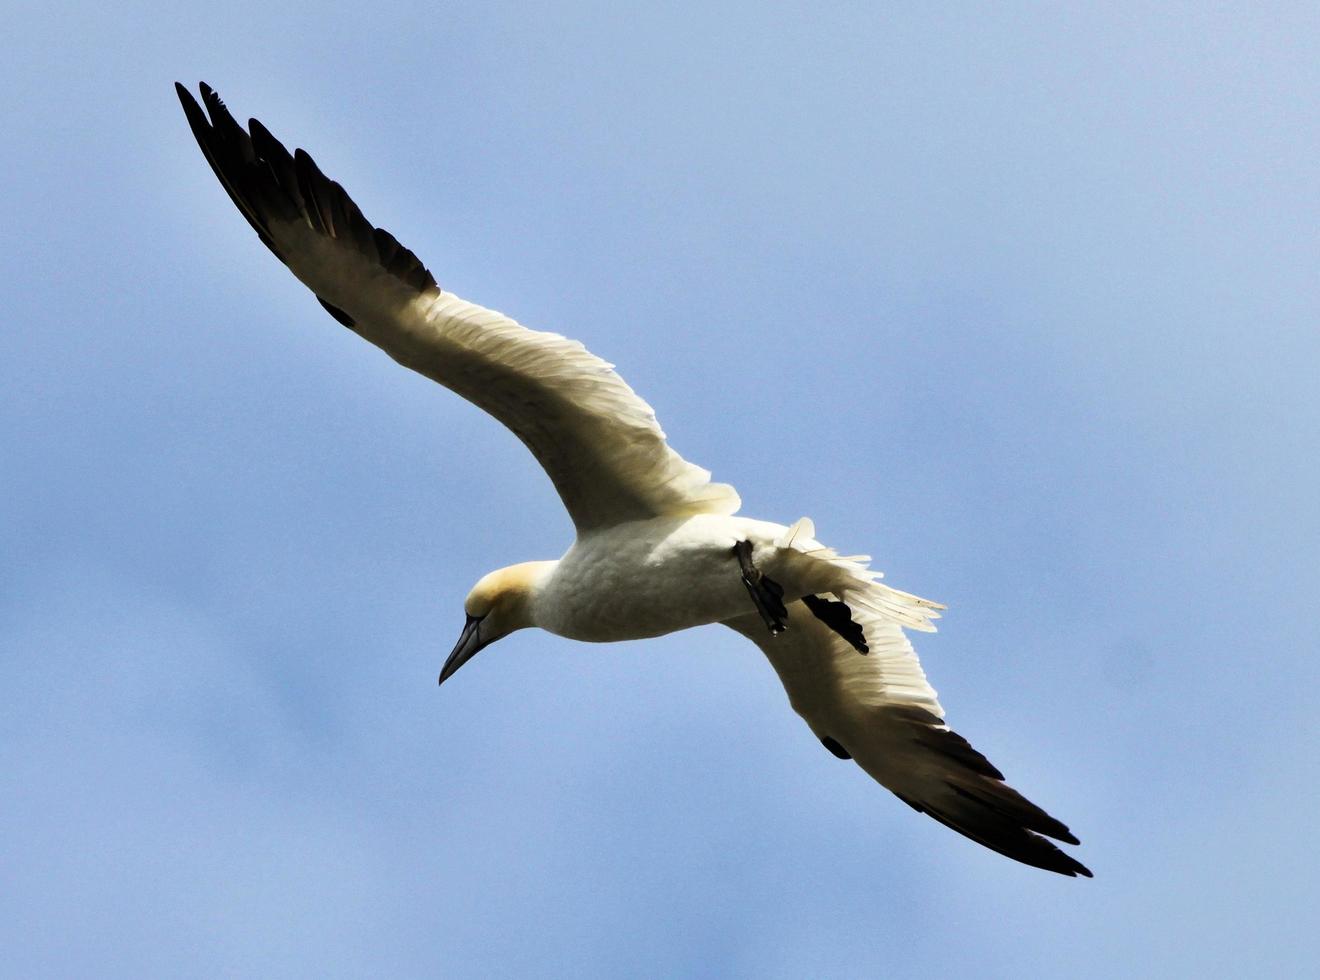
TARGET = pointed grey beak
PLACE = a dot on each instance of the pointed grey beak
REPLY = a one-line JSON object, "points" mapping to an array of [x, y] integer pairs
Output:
{"points": [[469, 644]]}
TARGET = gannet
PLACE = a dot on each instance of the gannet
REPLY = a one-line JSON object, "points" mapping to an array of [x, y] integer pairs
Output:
{"points": [[658, 546]]}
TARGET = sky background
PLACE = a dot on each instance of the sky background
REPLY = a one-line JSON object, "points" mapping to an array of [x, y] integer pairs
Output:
{"points": [[1020, 299]]}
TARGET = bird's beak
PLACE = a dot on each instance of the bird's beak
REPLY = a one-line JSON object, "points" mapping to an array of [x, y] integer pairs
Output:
{"points": [[469, 644]]}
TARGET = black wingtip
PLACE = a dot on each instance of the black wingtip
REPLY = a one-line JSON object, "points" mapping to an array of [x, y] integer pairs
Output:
{"points": [[972, 799], [190, 108], [269, 186], [1005, 837]]}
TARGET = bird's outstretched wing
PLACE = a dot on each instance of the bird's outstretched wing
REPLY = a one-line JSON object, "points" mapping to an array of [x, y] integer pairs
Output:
{"points": [[878, 709], [598, 441]]}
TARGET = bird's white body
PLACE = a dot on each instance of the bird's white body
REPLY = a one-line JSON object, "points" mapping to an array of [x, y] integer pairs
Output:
{"points": [[648, 578], [656, 538]]}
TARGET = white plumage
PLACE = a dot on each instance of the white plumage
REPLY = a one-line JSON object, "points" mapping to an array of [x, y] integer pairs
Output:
{"points": [[659, 547], [599, 442]]}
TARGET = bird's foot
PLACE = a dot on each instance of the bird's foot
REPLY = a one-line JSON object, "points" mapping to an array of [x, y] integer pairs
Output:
{"points": [[767, 594]]}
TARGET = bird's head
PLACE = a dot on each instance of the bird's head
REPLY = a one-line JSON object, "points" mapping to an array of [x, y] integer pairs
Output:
{"points": [[498, 605]]}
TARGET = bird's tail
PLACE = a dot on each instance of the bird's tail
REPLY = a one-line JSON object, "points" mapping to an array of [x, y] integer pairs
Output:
{"points": [[849, 578]]}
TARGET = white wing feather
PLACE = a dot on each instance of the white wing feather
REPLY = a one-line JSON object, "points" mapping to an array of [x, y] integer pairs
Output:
{"points": [[878, 709], [597, 440]]}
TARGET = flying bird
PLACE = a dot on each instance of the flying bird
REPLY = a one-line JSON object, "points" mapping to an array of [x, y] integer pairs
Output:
{"points": [[658, 545]]}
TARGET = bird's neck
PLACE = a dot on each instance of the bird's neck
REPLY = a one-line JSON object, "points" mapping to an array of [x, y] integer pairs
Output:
{"points": [[521, 585]]}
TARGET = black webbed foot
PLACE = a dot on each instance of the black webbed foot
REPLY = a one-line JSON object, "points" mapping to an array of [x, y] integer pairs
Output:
{"points": [[767, 594]]}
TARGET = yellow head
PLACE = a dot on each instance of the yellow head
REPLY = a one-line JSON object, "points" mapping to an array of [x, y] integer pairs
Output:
{"points": [[499, 604]]}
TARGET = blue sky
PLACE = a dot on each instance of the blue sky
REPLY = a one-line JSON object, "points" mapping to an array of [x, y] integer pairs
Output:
{"points": [[1023, 301]]}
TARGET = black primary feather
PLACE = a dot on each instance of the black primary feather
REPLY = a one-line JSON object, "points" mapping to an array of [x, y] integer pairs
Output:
{"points": [[267, 183], [973, 800]]}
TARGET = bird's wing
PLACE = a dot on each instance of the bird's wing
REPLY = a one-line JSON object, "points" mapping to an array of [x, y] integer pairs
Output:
{"points": [[878, 709], [598, 441]]}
